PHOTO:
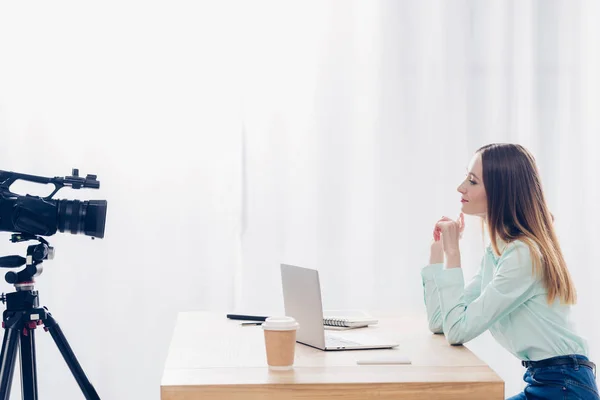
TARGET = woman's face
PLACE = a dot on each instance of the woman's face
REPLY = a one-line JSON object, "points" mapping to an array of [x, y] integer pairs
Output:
{"points": [[474, 200]]}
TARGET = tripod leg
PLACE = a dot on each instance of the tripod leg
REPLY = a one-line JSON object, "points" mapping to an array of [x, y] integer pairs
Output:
{"points": [[28, 369], [61, 342], [8, 358]]}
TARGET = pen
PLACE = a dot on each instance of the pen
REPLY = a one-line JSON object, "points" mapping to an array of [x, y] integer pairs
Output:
{"points": [[246, 317], [250, 323]]}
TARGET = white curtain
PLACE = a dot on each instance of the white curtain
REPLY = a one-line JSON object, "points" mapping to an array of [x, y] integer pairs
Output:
{"points": [[362, 117], [230, 137]]}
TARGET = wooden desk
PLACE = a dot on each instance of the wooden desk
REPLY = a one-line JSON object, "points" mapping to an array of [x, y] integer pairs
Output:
{"points": [[211, 357]]}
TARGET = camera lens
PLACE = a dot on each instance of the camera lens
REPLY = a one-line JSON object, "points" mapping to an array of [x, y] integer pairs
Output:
{"points": [[88, 217]]}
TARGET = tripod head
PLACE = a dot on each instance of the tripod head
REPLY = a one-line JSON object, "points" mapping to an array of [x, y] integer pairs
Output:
{"points": [[36, 254]]}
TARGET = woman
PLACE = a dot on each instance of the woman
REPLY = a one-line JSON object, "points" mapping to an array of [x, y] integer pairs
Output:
{"points": [[523, 290]]}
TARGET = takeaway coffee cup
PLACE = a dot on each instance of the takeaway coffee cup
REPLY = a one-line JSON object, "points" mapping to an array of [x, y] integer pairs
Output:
{"points": [[280, 342]]}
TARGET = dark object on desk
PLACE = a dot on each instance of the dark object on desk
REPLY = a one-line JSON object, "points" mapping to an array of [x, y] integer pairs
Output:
{"points": [[251, 323], [246, 317]]}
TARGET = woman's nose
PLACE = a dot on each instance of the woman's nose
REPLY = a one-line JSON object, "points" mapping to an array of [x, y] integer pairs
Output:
{"points": [[461, 189]]}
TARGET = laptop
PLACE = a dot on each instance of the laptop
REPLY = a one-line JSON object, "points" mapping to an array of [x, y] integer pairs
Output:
{"points": [[302, 300]]}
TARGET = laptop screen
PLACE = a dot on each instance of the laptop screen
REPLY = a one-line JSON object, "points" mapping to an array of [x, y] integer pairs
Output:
{"points": [[302, 300]]}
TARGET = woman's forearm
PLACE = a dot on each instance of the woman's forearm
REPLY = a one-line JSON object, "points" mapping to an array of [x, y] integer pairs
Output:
{"points": [[452, 259], [436, 257]]}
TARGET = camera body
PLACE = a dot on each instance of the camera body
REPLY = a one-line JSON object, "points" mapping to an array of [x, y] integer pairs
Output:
{"points": [[35, 215]]}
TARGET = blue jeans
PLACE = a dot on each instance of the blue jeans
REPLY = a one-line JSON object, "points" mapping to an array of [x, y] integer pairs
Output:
{"points": [[572, 381]]}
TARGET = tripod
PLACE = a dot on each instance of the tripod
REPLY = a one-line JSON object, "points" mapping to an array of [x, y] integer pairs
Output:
{"points": [[20, 319]]}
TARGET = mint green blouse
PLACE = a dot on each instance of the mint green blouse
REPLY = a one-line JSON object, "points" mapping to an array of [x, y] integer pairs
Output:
{"points": [[505, 297]]}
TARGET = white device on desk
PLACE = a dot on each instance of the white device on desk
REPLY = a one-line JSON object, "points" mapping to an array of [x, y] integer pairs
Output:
{"points": [[302, 300], [389, 359]]}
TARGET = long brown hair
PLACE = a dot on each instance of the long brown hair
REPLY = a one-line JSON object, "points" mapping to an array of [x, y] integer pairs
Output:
{"points": [[517, 209]]}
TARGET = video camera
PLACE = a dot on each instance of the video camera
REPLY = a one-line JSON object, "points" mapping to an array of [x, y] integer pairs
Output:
{"points": [[31, 217], [43, 216]]}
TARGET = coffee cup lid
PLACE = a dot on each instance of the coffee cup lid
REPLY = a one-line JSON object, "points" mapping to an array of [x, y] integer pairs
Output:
{"points": [[280, 324]]}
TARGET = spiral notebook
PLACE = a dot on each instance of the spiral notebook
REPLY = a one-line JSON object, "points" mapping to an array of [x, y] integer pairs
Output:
{"points": [[347, 319]]}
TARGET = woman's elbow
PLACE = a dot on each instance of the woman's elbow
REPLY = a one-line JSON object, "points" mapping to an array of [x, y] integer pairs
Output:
{"points": [[435, 326], [454, 341], [455, 337]]}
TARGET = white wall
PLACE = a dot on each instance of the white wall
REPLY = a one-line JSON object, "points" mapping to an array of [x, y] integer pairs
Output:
{"points": [[144, 96], [229, 137]]}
